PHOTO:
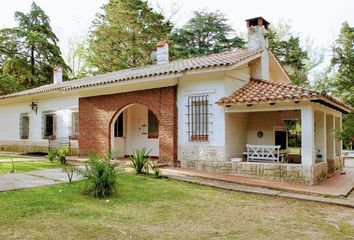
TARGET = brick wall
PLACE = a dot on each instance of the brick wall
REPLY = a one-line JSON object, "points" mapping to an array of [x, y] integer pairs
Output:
{"points": [[97, 113]]}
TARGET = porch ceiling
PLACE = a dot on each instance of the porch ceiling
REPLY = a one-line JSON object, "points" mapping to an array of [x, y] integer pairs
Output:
{"points": [[261, 91]]}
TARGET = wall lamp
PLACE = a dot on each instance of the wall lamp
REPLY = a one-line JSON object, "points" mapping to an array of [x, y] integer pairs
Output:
{"points": [[34, 106]]}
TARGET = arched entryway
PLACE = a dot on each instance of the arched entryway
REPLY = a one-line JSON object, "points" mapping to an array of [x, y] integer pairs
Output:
{"points": [[134, 127], [98, 115]]}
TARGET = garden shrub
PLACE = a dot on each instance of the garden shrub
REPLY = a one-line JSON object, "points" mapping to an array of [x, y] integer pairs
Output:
{"points": [[156, 169], [140, 160], [100, 177], [62, 153], [51, 155]]}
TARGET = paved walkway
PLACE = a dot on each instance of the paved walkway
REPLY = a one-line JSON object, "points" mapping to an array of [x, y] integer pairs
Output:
{"points": [[187, 176], [338, 185], [33, 179]]}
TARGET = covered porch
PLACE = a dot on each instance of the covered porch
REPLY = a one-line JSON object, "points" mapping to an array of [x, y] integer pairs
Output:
{"points": [[257, 133], [257, 141]]}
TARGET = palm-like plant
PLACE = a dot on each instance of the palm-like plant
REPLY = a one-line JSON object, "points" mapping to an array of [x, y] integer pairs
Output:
{"points": [[100, 177], [139, 160]]}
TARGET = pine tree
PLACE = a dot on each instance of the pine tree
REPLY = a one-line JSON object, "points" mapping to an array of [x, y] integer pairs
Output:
{"points": [[205, 33], [29, 51], [125, 35]]}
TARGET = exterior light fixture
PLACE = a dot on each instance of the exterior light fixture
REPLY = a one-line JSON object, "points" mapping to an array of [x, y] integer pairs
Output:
{"points": [[34, 106]]}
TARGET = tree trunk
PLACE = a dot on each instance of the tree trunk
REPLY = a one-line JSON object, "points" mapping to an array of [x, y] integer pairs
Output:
{"points": [[32, 60]]}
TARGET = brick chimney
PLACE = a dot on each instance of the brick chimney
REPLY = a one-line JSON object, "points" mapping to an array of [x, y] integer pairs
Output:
{"points": [[258, 39], [57, 74], [162, 56]]}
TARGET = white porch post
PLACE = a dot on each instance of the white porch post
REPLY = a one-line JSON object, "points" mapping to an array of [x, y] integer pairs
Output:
{"points": [[307, 136], [338, 126], [330, 137], [320, 134]]}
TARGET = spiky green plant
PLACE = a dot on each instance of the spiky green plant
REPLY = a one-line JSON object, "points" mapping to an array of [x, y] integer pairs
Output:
{"points": [[100, 177], [62, 153], [139, 160], [51, 155], [156, 169]]}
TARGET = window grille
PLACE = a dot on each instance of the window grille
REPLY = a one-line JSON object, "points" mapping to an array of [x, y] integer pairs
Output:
{"points": [[24, 126], [153, 125], [198, 118]]}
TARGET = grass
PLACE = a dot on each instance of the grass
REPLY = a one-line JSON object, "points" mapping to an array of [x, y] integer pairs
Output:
{"points": [[148, 208], [294, 150], [8, 157], [27, 166]]}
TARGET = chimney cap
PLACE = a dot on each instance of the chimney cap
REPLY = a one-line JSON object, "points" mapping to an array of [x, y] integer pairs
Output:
{"points": [[257, 21], [161, 43]]}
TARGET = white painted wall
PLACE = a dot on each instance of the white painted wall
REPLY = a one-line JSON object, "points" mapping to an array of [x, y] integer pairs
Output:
{"points": [[236, 127], [10, 117], [136, 117]]}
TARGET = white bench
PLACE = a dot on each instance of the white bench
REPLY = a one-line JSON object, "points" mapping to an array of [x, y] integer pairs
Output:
{"points": [[263, 153]]}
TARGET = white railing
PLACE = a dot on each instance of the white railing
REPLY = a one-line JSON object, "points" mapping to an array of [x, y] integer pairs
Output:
{"points": [[263, 152]]}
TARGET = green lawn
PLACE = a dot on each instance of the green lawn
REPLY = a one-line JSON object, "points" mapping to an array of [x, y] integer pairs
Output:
{"points": [[27, 166], [147, 208], [8, 157]]}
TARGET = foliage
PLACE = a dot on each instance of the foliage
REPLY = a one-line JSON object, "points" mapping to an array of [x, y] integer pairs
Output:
{"points": [[51, 155], [29, 51], [294, 130], [205, 33], [69, 170], [62, 153], [12, 170], [100, 177], [125, 35], [155, 168], [339, 78], [77, 56], [287, 49], [139, 160]]}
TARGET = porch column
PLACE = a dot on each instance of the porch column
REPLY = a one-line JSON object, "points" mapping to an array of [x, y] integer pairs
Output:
{"points": [[307, 136], [338, 127], [320, 134], [330, 137]]}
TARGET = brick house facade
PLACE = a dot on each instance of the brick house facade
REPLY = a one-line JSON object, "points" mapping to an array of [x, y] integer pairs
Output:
{"points": [[98, 112]]}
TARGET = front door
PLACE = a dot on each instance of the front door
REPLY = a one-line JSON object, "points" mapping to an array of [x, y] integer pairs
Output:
{"points": [[119, 138]]}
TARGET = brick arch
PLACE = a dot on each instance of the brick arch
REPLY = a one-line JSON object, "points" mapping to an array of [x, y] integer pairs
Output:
{"points": [[96, 115]]}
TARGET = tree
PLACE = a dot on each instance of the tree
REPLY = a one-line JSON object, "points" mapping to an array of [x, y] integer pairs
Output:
{"points": [[286, 47], [342, 84], [29, 51], [76, 58], [125, 35], [205, 33]]}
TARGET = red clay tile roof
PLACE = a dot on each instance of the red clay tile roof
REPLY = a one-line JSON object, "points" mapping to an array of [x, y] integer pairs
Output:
{"points": [[174, 67], [261, 91]]}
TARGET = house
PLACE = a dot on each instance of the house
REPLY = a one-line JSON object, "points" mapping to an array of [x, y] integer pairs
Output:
{"points": [[197, 113]]}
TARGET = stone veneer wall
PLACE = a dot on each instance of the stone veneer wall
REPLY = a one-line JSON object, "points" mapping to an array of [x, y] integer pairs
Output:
{"points": [[32, 146], [338, 164], [294, 173], [200, 152]]}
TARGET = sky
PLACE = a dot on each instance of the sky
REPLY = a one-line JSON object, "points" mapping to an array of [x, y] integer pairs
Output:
{"points": [[317, 20]]}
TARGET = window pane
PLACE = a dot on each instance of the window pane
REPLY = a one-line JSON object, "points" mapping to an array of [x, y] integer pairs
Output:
{"points": [[49, 125], [24, 127], [118, 126], [74, 125], [153, 125]]}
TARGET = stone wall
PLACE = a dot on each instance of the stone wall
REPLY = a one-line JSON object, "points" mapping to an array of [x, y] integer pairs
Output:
{"points": [[200, 152], [294, 173], [338, 164], [28, 146]]}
